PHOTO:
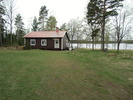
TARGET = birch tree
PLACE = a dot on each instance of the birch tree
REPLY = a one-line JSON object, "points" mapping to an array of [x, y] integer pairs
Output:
{"points": [[123, 25], [10, 11], [2, 13], [74, 28]]}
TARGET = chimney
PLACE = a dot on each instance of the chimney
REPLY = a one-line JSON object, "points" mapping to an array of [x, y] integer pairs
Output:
{"points": [[57, 29]]}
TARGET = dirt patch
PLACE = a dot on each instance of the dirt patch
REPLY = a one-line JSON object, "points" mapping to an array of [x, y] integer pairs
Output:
{"points": [[130, 79]]}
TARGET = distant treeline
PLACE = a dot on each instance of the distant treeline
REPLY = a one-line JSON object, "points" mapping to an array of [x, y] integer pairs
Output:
{"points": [[84, 41], [15, 40]]}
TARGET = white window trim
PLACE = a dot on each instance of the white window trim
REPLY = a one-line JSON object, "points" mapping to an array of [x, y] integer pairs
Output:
{"points": [[45, 41], [31, 42]]}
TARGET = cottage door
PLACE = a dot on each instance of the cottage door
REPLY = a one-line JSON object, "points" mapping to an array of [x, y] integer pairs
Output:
{"points": [[56, 43]]}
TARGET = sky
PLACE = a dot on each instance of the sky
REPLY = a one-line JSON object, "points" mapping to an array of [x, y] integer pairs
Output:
{"points": [[63, 10]]}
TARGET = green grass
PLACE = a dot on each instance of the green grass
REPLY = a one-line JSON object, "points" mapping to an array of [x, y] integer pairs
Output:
{"points": [[66, 75]]}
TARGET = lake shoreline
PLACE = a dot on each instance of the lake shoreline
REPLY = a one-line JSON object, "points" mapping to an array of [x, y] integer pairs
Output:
{"points": [[113, 46]]}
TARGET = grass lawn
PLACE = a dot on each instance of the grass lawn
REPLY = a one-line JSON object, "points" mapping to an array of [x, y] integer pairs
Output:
{"points": [[66, 75]]}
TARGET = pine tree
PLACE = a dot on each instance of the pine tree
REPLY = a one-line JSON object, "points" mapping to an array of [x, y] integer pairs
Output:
{"points": [[63, 27], [107, 8], [35, 24], [42, 17], [20, 29], [93, 19], [51, 23]]}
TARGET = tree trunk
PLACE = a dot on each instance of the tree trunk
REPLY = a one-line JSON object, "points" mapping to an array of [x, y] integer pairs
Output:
{"points": [[11, 20], [102, 35], [11, 35], [43, 25], [0, 32], [118, 46], [0, 37], [93, 43], [77, 42], [72, 43], [103, 27], [118, 39]]}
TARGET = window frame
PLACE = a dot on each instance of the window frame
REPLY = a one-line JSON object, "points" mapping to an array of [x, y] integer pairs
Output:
{"points": [[44, 42], [31, 42]]}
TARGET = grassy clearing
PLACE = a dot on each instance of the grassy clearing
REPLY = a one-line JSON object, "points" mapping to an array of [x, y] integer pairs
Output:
{"points": [[66, 75]]}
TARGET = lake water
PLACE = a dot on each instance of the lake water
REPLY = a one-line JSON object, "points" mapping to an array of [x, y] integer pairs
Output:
{"points": [[123, 46]]}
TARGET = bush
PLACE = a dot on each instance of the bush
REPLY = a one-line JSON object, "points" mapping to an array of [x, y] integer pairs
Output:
{"points": [[27, 47], [20, 47]]}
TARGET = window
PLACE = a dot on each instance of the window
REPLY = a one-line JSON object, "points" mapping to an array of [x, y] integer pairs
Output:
{"points": [[56, 41], [43, 42], [32, 42]]}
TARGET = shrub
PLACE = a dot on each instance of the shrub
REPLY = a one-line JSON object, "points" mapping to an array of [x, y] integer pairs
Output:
{"points": [[27, 47], [20, 47]]}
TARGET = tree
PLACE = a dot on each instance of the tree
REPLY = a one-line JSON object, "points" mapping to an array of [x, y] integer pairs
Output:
{"points": [[35, 24], [93, 19], [2, 13], [108, 8], [9, 10], [63, 27], [42, 17], [51, 23], [102, 10], [107, 37], [86, 32], [74, 28], [20, 29], [122, 26]]}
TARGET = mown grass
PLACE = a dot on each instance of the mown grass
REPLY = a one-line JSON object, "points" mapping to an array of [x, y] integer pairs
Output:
{"points": [[66, 75]]}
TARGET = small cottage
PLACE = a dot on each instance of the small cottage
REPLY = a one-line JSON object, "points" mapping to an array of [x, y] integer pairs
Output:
{"points": [[50, 40]]}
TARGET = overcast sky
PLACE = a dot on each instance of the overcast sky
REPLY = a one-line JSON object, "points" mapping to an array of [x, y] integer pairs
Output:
{"points": [[63, 10]]}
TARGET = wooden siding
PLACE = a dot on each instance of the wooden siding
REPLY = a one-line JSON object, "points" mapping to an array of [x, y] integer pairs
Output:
{"points": [[65, 38], [64, 42], [49, 46]]}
